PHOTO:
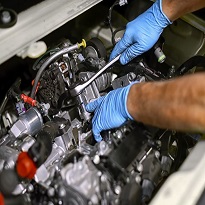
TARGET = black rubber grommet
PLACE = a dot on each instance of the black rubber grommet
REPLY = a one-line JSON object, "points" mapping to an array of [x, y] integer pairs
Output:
{"points": [[8, 18]]}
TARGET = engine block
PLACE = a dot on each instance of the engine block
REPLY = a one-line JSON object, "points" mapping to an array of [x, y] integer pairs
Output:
{"points": [[47, 148]]}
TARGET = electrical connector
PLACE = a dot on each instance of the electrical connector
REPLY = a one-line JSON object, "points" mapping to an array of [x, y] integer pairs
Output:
{"points": [[122, 2]]}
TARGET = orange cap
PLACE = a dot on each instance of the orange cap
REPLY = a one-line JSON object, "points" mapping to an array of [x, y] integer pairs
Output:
{"points": [[1, 199], [25, 166], [28, 100]]}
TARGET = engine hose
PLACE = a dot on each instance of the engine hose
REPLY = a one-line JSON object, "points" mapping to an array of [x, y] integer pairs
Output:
{"points": [[8, 181], [104, 81], [51, 59], [42, 148], [190, 63], [28, 162]]}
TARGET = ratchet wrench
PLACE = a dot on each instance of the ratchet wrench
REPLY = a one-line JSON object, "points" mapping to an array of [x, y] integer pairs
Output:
{"points": [[79, 88]]}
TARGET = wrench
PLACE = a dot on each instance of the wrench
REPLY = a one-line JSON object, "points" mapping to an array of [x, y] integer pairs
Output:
{"points": [[79, 88]]}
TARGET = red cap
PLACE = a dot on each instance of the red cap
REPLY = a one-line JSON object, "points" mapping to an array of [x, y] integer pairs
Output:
{"points": [[25, 166], [1, 199], [28, 100]]}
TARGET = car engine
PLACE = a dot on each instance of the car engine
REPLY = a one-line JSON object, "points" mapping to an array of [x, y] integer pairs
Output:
{"points": [[47, 151]]}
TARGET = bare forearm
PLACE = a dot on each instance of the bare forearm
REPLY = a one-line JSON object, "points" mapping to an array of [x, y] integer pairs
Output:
{"points": [[176, 8], [176, 104]]}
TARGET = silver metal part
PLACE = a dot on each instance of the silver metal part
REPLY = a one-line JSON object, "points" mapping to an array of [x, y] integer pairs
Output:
{"points": [[61, 145], [42, 174], [58, 151], [9, 118], [103, 148], [122, 2], [29, 123], [81, 107], [8, 157], [27, 142], [78, 89], [83, 177], [5, 17], [91, 92]]}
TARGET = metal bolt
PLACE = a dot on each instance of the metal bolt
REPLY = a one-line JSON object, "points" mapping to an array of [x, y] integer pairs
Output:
{"points": [[159, 143], [99, 173], [118, 134], [62, 192], [103, 178], [118, 189], [157, 154], [6, 166], [94, 199], [62, 126], [83, 78], [51, 191], [138, 179], [116, 201], [5, 17], [15, 143], [96, 159], [131, 76], [102, 147], [60, 202], [80, 166], [30, 188], [140, 167]]}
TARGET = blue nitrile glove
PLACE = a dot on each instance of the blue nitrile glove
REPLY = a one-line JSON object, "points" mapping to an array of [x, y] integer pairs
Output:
{"points": [[141, 34], [110, 111]]}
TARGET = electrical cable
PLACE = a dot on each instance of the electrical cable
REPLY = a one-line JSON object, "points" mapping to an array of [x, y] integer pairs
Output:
{"points": [[110, 21]]}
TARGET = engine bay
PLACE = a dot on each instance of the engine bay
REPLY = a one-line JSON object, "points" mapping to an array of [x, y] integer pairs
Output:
{"points": [[47, 151]]}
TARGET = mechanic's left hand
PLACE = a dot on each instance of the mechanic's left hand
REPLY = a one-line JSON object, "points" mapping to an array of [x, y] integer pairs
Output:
{"points": [[110, 111], [141, 33]]}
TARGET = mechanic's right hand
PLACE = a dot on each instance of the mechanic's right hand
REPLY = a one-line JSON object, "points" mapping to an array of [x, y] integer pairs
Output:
{"points": [[141, 34], [110, 111]]}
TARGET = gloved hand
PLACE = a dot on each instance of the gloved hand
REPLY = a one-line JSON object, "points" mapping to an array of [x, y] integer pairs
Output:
{"points": [[110, 111], [141, 34]]}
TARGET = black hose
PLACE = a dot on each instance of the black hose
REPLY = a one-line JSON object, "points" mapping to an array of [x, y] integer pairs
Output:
{"points": [[190, 63], [8, 181], [42, 147]]}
